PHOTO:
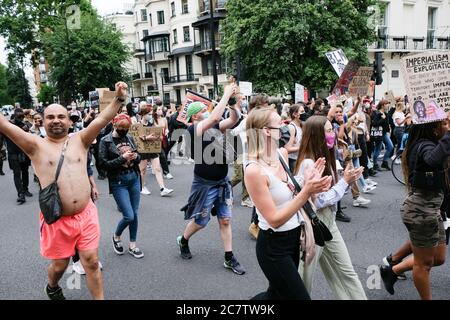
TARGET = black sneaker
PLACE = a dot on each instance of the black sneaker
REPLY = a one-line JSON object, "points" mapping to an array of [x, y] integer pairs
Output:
{"points": [[136, 252], [387, 261], [55, 294], [376, 168], [2, 173], [234, 265], [341, 216], [372, 172], [184, 249], [389, 278], [385, 165], [28, 194], [117, 246], [21, 199]]}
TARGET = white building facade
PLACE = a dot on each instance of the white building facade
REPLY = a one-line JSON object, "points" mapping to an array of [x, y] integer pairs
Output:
{"points": [[406, 27]]}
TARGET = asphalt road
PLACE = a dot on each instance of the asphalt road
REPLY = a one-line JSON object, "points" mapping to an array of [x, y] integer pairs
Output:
{"points": [[374, 232]]}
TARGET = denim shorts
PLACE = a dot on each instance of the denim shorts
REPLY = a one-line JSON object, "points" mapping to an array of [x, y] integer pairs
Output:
{"points": [[212, 199]]}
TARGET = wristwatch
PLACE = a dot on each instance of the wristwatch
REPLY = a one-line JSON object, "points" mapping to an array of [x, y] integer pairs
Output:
{"points": [[120, 99]]}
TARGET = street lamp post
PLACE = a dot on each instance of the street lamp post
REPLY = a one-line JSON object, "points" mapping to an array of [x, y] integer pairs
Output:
{"points": [[162, 87], [213, 47]]}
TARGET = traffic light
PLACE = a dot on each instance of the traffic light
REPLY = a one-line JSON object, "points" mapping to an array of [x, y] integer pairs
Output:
{"points": [[378, 68]]}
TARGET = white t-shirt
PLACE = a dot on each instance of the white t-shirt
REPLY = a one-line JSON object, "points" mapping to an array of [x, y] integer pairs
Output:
{"points": [[298, 139], [398, 115]]}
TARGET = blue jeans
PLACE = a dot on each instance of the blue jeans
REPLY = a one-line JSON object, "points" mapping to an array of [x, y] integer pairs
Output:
{"points": [[389, 148], [127, 193]]}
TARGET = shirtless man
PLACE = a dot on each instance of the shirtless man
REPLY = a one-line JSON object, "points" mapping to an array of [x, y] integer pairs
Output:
{"points": [[78, 228]]}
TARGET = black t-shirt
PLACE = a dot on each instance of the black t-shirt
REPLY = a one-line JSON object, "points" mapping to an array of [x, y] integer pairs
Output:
{"points": [[207, 165], [123, 145]]}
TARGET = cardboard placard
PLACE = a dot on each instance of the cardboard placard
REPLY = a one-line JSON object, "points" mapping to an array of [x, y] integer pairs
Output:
{"points": [[427, 83], [106, 98], [299, 93], [138, 129], [190, 98], [360, 83], [345, 79], [246, 88], [389, 96]]}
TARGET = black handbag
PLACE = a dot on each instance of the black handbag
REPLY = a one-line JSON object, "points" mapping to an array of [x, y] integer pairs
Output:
{"points": [[426, 180], [49, 200], [320, 230], [376, 133]]}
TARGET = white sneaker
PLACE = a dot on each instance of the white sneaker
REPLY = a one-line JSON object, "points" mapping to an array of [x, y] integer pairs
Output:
{"points": [[393, 157], [145, 191], [166, 192], [398, 161], [168, 176], [370, 182], [247, 203], [360, 201], [100, 265], [368, 188], [78, 268]]}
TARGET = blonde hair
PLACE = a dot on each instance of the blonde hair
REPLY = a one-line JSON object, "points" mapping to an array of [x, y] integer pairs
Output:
{"points": [[399, 106], [256, 121]]}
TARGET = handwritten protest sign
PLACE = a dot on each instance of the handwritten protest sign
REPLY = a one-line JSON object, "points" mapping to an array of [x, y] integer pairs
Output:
{"points": [[342, 85], [106, 98], [427, 83], [389, 96], [154, 146], [360, 83], [338, 60]]}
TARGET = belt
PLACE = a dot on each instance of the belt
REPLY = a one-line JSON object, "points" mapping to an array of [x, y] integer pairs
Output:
{"points": [[272, 233]]}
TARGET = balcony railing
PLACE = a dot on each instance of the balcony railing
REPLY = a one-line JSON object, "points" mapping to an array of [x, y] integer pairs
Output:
{"points": [[148, 75], [206, 45], [184, 78], [139, 51], [136, 76], [405, 43], [217, 5], [157, 56]]}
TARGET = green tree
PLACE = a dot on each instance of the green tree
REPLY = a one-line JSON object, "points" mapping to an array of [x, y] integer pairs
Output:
{"points": [[17, 85], [46, 94], [85, 59], [4, 97], [282, 42]]}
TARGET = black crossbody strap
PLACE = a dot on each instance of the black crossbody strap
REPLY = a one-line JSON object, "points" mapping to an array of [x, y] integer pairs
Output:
{"points": [[61, 160], [307, 206]]}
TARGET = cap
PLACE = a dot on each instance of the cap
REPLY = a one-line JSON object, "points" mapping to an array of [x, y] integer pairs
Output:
{"points": [[194, 108]]}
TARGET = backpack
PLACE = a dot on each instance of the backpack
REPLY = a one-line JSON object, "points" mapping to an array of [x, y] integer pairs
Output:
{"points": [[286, 134]]}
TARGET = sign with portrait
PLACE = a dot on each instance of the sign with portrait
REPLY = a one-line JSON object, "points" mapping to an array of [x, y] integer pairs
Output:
{"points": [[427, 83]]}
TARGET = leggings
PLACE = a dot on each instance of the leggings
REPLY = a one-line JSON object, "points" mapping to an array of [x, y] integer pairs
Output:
{"points": [[278, 255]]}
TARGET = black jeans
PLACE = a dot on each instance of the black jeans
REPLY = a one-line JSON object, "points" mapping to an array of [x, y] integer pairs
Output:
{"points": [[278, 255], [364, 159], [21, 178], [163, 162], [398, 133]]}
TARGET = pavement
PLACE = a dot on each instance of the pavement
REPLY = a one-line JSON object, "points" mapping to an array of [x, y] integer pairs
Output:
{"points": [[374, 232]]}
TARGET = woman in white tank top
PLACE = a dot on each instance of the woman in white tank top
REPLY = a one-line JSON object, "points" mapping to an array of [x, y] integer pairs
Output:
{"points": [[278, 242]]}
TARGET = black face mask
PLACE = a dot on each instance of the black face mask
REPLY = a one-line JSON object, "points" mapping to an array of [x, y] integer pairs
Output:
{"points": [[122, 133], [303, 117]]}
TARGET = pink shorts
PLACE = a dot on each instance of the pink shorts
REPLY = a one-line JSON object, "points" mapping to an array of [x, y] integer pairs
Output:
{"points": [[80, 231]]}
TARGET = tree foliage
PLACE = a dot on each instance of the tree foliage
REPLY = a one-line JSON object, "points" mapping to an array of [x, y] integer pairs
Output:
{"points": [[17, 87], [283, 42], [81, 60], [4, 97], [46, 94]]}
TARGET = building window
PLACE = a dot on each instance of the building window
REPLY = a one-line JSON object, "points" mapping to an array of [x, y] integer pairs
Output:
{"points": [[187, 34], [189, 68], [150, 19], [395, 74], [172, 8], [114, 26], [185, 6], [175, 36], [432, 12], [143, 14], [161, 17], [145, 33]]}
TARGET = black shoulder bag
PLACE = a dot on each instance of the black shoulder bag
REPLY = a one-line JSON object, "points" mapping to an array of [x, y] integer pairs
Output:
{"points": [[49, 200], [321, 232]]}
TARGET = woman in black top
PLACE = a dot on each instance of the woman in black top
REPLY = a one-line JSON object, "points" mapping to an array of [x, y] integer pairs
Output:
{"points": [[119, 157], [425, 156], [381, 119]]}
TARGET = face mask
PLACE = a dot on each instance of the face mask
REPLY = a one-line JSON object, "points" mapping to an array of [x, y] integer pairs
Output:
{"points": [[148, 117], [303, 117], [244, 105], [330, 137], [205, 115], [135, 110], [122, 133]]}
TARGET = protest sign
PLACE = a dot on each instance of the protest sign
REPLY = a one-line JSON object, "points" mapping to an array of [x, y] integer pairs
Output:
{"points": [[246, 88], [190, 98], [371, 89], [360, 83], [299, 93], [106, 98], [389, 96], [338, 60], [94, 99], [137, 130], [427, 84], [342, 85], [333, 100]]}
